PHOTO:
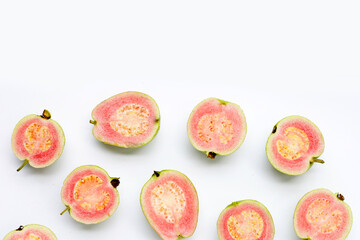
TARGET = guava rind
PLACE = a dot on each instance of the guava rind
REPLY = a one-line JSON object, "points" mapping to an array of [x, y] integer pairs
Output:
{"points": [[67, 192], [14, 235], [300, 220], [45, 158], [232, 111], [187, 223], [232, 209], [103, 111], [301, 165]]}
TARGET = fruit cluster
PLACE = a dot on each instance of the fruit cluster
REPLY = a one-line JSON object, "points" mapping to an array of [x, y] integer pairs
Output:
{"points": [[168, 199]]}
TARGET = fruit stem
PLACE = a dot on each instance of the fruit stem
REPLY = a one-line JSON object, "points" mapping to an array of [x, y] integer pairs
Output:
{"points": [[317, 160], [66, 209], [20, 228], [115, 182], [46, 114], [274, 129], [340, 197], [93, 122], [23, 165], [156, 173], [211, 155]]}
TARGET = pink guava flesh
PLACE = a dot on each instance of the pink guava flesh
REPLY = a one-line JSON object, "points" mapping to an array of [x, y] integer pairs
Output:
{"points": [[170, 204], [31, 232], [322, 215], [128, 120], [38, 140], [294, 145], [90, 195], [216, 127], [247, 219]]}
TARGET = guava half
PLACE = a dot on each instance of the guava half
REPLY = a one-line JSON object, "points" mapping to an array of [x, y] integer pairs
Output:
{"points": [[246, 219], [322, 215], [90, 195], [170, 204], [38, 140], [128, 120], [31, 232], [216, 127], [294, 145]]}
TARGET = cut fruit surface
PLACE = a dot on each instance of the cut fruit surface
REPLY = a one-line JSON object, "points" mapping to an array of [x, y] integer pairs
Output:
{"points": [[322, 215], [129, 120], [38, 140], [31, 232], [170, 204], [90, 195], [247, 219], [216, 127], [294, 145]]}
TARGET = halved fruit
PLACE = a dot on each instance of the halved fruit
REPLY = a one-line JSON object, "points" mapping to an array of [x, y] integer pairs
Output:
{"points": [[294, 145], [128, 120], [170, 204], [216, 127], [38, 140], [321, 215], [31, 232], [90, 195], [247, 219]]}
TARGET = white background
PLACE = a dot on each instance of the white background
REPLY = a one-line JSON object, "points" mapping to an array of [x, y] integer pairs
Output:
{"points": [[273, 58]]}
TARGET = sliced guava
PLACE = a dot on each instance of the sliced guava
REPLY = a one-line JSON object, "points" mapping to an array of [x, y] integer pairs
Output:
{"points": [[38, 140], [294, 145], [170, 204], [216, 127], [322, 215], [31, 232], [90, 195], [128, 120], [246, 219]]}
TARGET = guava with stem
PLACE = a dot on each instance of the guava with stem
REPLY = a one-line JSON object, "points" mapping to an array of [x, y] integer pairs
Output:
{"points": [[170, 204], [31, 232], [38, 140], [294, 145], [90, 195], [216, 127], [128, 120]]}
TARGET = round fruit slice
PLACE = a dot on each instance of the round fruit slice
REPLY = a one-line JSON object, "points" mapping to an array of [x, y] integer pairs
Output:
{"points": [[216, 127], [129, 120], [170, 204], [294, 145], [322, 215], [90, 195], [247, 219], [31, 232], [38, 140]]}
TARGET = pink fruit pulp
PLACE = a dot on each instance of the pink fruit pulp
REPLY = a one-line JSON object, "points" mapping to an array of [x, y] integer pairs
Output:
{"points": [[335, 211], [301, 164], [80, 213], [237, 208], [105, 113], [231, 119], [186, 224], [38, 158]]}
